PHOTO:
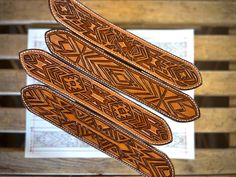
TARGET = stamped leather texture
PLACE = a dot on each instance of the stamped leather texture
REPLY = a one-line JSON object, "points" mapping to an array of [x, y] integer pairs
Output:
{"points": [[126, 46], [88, 92], [164, 99], [88, 68], [96, 131]]}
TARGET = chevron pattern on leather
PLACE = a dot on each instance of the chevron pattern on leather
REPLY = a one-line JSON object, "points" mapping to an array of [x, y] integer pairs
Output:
{"points": [[153, 93], [96, 131], [49, 70], [125, 45]]}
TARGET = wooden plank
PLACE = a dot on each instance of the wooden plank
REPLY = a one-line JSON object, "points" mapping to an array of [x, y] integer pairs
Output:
{"points": [[12, 120], [153, 14], [218, 120], [208, 162], [215, 48], [12, 45], [12, 80], [207, 47], [215, 83]]}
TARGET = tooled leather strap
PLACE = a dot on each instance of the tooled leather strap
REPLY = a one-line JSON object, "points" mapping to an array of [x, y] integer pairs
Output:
{"points": [[88, 92], [153, 93], [126, 46], [96, 131]]}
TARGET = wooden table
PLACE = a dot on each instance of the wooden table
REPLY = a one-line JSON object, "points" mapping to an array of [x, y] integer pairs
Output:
{"points": [[215, 55]]}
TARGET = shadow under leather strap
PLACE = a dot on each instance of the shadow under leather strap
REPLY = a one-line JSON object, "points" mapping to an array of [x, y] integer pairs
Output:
{"points": [[96, 131], [88, 92], [153, 93], [126, 46]]}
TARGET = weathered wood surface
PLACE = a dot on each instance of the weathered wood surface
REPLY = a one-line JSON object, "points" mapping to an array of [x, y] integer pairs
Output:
{"points": [[151, 14], [12, 80], [154, 14], [213, 120], [212, 162], [207, 47], [12, 120], [13, 44], [215, 48], [215, 83]]}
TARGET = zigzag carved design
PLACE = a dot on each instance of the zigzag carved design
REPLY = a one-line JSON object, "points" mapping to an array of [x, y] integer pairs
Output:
{"points": [[79, 87], [96, 131], [153, 93], [125, 45]]}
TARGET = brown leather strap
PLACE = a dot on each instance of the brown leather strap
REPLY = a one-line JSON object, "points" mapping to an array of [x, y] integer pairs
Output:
{"points": [[96, 131], [153, 93], [128, 47], [88, 92]]}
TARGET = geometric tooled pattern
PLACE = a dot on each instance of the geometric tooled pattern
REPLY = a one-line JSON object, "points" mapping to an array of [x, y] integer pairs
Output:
{"points": [[100, 32], [96, 131], [153, 93], [121, 110], [72, 83], [86, 91]]}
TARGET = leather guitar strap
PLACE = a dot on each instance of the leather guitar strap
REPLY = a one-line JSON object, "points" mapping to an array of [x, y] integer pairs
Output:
{"points": [[81, 93], [96, 131], [91, 94], [107, 69], [125, 45]]}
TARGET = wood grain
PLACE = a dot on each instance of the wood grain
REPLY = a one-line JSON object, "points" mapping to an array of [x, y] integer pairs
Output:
{"points": [[212, 162], [12, 120], [12, 80], [207, 47], [215, 48], [217, 83], [153, 14], [218, 120], [13, 44], [221, 83]]}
